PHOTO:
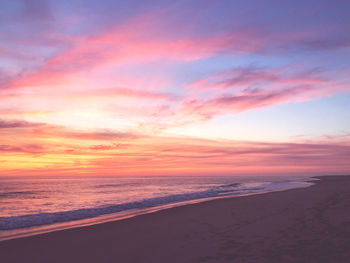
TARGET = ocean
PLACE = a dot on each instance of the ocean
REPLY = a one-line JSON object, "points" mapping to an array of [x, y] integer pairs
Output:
{"points": [[32, 205]]}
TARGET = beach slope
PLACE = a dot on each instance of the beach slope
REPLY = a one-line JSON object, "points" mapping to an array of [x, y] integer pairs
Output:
{"points": [[300, 225]]}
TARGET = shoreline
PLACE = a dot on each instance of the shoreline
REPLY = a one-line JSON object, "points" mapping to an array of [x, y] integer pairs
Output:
{"points": [[309, 224], [43, 229]]}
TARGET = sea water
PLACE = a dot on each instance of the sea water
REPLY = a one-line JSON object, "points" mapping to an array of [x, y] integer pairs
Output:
{"points": [[31, 205]]}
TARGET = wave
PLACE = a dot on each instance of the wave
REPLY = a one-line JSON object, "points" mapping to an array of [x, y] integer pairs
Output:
{"points": [[18, 193], [116, 185]]}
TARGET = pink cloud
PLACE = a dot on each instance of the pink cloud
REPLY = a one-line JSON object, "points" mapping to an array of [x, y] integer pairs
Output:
{"points": [[127, 92], [26, 129], [111, 92], [245, 77], [201, 109], [240, 89], [140, 40], [27, 148], [10, 124]]}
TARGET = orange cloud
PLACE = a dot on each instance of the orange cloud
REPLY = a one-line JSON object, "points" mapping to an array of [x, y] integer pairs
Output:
{"points": [[59, 150]]}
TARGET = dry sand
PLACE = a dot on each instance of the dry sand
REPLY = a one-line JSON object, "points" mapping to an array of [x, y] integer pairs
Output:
{"points": [[300, 225]]}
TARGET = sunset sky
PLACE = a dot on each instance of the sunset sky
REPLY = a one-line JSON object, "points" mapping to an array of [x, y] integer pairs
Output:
{"points": [[174, 87]]}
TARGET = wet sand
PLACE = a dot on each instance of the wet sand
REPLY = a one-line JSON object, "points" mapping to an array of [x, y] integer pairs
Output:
{"points": [[299, 225]]}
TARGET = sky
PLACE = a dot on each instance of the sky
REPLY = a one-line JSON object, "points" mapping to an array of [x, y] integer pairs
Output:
{"points": [[174, 87]]}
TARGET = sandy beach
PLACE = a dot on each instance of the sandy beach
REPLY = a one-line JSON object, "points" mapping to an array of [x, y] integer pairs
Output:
{"points": [[300, 225]]}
